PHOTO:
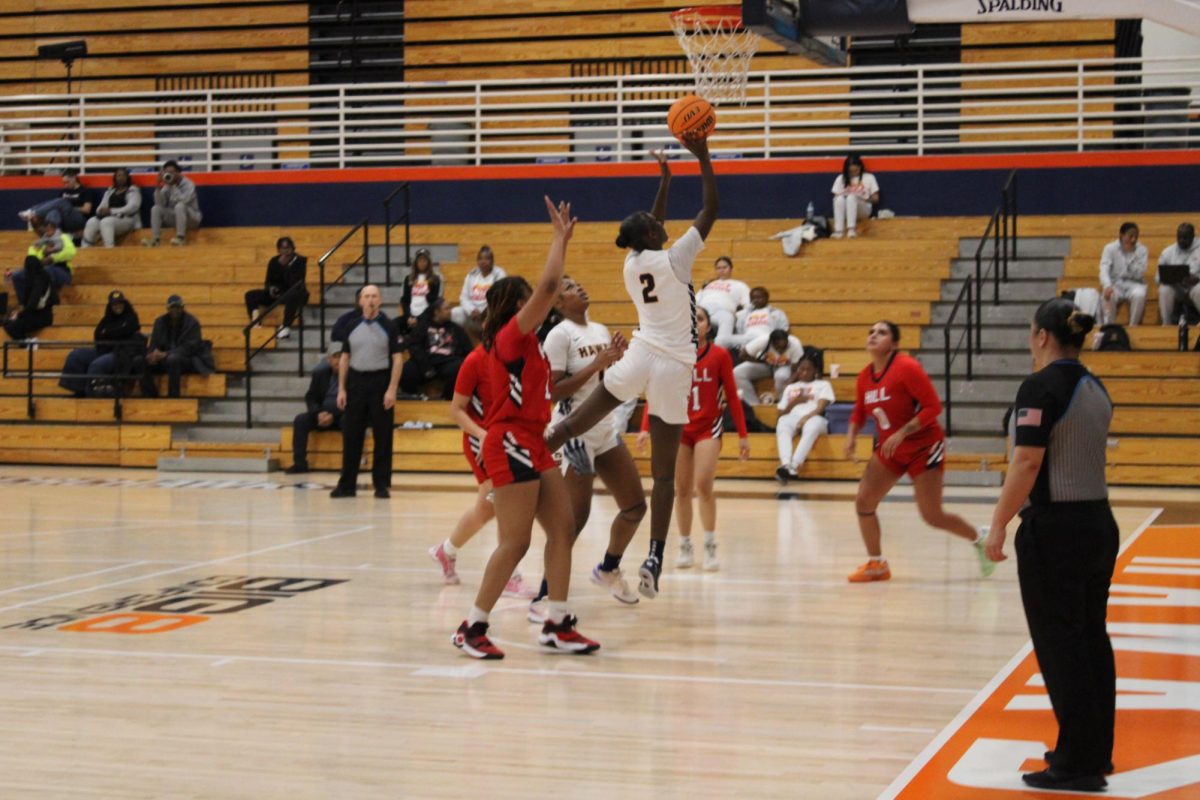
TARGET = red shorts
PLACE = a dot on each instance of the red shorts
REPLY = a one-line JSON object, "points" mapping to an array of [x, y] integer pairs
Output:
{"points": [[703, 429], [470, 449], [515, 454], [923, 451]]}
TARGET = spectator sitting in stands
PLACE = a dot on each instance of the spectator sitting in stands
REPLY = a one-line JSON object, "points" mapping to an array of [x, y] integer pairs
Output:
{"points": [[472, 302], [70, 210], [86, 364], [323, 413], [756, 321], [1123, 276], [1186, 250], [774, 355], [285, 276], [421, 288], [175, 203], [35, 298], [176, 347], [119, 212], [855, 192], [54, 250], [722, 297], [436, 350], [802, 407]]}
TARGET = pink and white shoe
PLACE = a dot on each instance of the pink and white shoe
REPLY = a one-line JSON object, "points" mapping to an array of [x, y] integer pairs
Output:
{"points": [[449, 575], [516, 587]]}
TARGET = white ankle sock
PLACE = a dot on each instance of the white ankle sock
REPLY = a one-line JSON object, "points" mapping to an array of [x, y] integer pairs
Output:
{"points": [[477, 614], [449, 549], [878, 559], [557, 611], [710, 537], [980, 535]]}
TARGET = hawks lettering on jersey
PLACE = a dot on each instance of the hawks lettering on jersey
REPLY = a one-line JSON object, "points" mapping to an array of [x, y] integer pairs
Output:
{"points": [[571, 348]]}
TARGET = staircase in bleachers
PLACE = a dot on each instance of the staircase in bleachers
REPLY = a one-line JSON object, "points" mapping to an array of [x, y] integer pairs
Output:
{"points": [[831, 292]]}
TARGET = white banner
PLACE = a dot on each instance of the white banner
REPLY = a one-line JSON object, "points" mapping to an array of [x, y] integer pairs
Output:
{"points": [[1182, 15]]}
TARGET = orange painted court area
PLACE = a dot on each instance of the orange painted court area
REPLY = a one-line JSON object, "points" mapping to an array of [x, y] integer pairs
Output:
{"points": [[1154, 623]]}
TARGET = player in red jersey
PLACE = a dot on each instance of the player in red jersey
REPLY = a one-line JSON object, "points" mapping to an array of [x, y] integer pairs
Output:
{"points": [[527, 481], [895, 391], [472, 396], [713, 386]]}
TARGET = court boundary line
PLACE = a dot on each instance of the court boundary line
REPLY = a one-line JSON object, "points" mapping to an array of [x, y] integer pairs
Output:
{"points": [[925, 756], [192, 565], [73, 577], [224, 659]]}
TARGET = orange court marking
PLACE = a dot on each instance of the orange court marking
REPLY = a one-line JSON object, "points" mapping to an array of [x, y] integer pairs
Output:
{"points": [[135, 622], [1154, 623]]}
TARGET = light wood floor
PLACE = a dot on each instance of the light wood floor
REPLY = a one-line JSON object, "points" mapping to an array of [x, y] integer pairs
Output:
{"points": [[772, 678]]}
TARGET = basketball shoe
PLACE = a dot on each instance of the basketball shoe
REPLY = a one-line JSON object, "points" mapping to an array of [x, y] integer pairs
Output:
{"points": [[615, 583], [563, 636], [873, 570], [686, 556], [648, 574], [446, 562], [474, 642]]}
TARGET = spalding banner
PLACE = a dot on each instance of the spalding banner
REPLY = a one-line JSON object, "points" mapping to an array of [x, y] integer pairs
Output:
{"points": [[1182, 15]]}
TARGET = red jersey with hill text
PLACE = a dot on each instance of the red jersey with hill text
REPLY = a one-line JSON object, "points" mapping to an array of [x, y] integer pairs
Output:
{"points": [[519, 377], [902, 391]]}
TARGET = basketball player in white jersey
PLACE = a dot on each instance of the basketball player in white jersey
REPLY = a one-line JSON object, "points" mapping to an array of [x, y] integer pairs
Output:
{"points": [[660, 359]]}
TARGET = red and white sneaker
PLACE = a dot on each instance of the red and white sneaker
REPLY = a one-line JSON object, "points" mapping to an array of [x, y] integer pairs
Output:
{"points": [[564, 637], [449, 575], [474, 642], [516, 587]]}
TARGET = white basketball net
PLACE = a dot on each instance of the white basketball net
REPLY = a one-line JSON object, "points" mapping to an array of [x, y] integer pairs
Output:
{"points": [[719, 50]]}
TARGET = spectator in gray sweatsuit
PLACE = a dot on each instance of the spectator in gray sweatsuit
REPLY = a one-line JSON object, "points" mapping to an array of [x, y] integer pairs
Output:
{"points": [[755, 320], [119, 212], [175, 203]]}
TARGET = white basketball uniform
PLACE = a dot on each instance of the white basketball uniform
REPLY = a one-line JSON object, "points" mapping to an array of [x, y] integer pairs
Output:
{"points": [[660, 358], [570, 348]]}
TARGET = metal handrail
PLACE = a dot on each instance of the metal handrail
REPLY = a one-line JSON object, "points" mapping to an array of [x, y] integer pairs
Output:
{"points": [[406, 218], [257, 321], [31, 346], [364, 258], [1002, 228]]}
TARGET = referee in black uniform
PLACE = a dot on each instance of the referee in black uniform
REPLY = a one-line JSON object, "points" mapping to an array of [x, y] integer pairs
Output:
{"points": [[367, 376], [1066, 544]]}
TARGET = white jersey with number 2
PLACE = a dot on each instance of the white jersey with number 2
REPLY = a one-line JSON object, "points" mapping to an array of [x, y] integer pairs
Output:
{"points": [[660, 283]]}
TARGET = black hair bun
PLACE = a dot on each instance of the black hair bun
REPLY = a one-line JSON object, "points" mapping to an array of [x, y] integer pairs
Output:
{"points": [[1080, 323]]}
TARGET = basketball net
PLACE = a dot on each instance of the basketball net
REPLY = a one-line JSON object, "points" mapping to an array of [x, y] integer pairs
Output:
{"points": [[718, 48]]}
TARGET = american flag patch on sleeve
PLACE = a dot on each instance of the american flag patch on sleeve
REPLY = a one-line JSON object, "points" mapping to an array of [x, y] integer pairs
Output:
{"points": [[1029, 416]]}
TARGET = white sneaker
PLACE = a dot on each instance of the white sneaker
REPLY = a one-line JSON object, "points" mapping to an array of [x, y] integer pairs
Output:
{"points": [[25, 215], [852, 234], [710, 557], [617, 586], [836, 235], [686, 556], [539, 612], [283, 332]]}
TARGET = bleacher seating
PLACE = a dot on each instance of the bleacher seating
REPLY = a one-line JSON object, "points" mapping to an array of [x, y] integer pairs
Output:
{"points": [[831, 292]]}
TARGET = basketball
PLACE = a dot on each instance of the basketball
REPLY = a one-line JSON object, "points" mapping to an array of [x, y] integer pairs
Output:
{"points": [[691, 117]]}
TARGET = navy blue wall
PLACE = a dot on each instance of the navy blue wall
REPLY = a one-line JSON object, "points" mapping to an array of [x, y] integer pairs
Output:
{"points": [[1053, 190]]}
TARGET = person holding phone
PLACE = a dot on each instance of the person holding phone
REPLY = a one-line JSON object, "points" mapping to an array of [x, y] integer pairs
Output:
{"points": [[175, 203]]}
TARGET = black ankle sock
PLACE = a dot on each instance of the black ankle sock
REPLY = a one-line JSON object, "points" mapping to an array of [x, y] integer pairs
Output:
{"points": [[656, 549], [610, 562], [543, 591]]}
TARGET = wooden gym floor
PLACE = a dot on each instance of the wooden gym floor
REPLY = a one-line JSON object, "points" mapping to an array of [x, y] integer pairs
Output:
{"points": [[773, 678]]}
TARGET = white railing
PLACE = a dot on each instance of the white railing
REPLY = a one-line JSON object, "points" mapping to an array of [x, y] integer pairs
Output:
{"points": [[955, 108]]}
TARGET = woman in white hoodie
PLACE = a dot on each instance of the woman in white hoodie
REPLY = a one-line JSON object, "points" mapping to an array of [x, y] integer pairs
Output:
{"points": [[119, 212]]}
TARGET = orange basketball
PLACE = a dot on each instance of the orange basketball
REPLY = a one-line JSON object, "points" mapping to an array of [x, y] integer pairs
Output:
{"points": [[691, 117]]}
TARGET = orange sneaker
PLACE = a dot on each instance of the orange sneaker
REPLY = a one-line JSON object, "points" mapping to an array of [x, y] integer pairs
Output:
{"points": [[871, 571]]}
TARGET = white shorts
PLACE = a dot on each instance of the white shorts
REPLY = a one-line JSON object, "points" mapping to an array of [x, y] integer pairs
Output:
{"points": [[580, 452], [664, 381]]}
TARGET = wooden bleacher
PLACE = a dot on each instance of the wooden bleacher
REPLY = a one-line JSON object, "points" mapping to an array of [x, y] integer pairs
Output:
{"points": [[832, 292]]}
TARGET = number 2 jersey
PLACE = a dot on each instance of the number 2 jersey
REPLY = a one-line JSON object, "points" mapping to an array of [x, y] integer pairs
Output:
{"points": [[660, 284], [902, 391]]}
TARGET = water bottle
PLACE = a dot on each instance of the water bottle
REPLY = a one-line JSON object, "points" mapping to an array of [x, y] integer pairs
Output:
{"points": [[1183, 331], [809, 212]]}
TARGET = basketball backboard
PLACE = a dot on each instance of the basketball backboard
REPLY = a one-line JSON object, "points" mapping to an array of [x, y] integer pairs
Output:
{"points": [[821, 30]]}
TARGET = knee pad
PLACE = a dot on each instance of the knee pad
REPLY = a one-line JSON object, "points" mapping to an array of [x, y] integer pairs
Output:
{"points": [[634, 513]]}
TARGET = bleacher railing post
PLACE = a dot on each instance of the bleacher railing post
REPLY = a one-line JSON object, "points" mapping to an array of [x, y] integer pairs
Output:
{"points": [[249, 379], [30, 409], [970, 366], [387, 241], [407, 224], [946, 361], [321, 302]]}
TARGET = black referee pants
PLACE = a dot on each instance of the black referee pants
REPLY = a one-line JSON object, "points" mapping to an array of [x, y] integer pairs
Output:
{"points": [[1065, 559], [364, 405]]}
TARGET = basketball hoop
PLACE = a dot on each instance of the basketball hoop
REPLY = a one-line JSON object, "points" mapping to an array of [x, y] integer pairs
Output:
{"points": [[718, 48]]}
